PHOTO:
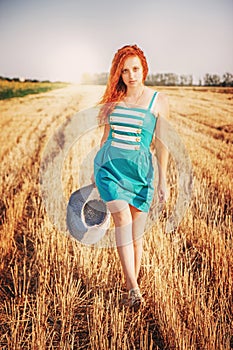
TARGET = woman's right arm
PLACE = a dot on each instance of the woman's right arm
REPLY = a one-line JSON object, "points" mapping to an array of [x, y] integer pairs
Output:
{"points": [[103, 139], [105, 134]]}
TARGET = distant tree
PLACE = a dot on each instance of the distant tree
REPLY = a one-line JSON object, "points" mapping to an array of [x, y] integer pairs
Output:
{"points": [[212, 80], [149, 80], [183, 79], [186, 80], [154, 79], [101, 78], [162, 79], [227, 79], [172, 79], [86, 78], [97, 78]]}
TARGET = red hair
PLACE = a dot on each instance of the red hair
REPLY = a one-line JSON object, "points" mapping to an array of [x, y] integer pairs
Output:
{"points": [[116, 88]]}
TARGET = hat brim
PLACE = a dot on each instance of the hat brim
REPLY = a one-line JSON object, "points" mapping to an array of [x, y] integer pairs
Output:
{"points": [[75, 219]]}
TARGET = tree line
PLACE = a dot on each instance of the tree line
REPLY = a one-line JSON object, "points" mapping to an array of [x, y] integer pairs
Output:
{"points": [[22, 80], [159, 79], [168, 79]]}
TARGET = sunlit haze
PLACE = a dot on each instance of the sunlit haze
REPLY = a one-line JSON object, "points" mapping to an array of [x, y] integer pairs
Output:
{"points": [[60, 40]]}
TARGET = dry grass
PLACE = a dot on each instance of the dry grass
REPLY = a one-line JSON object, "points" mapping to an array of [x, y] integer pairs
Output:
{"points": [[58, 294]]}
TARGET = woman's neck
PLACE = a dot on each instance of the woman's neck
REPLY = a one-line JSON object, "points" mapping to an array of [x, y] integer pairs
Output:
{"points": [[134, 92], [134, 96]]}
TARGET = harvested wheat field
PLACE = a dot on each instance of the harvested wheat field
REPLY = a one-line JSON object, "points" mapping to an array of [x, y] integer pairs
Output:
{"points": [[57, 293]]}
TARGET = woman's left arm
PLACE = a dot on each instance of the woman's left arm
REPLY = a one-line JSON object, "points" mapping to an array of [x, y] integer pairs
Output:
{"points": [[162, 154]]}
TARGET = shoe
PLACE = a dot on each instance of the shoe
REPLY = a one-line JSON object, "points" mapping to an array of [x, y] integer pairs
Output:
{"points": [[135, 298]]}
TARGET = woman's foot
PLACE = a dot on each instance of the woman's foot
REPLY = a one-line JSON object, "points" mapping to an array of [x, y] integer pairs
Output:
{"points": [[135, 298]]}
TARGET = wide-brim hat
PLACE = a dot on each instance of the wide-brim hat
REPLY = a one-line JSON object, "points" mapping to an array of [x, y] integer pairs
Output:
{"points": [[87, 215]]}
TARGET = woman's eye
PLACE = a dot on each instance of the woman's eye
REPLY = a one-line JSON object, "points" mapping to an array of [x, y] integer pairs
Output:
{"points": [[134, 69]]}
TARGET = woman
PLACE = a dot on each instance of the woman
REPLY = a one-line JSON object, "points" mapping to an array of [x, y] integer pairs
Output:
{"points": [[123, 172]]}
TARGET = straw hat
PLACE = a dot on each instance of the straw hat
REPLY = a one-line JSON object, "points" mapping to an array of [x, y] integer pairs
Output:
{"points": [[87, 215]]}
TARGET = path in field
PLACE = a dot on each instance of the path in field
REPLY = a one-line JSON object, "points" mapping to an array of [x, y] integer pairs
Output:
{"points": [[27, 123], [25, 119]]}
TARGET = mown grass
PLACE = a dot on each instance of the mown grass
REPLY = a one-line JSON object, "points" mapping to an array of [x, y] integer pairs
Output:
{"points": [[56, 293], [9, 89]]}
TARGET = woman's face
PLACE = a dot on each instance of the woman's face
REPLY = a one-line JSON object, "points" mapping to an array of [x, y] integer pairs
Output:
{"points": [[132, 72]]}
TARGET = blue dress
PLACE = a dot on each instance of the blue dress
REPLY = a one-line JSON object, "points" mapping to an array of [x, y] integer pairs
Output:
{"points": [[123, 166]]}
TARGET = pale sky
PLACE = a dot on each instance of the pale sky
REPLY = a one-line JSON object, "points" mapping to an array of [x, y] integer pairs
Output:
{"points": [[61, 39]]}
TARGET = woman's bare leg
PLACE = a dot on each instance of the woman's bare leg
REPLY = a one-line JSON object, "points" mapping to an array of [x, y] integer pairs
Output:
{"points": [[138, 226], [122, 218]]}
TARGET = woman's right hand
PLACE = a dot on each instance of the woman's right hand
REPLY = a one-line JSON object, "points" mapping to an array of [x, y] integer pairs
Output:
{"points": [[92, 178]]}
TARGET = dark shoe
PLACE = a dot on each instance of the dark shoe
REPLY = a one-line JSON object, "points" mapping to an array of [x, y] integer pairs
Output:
{"points": [[135, 299]]}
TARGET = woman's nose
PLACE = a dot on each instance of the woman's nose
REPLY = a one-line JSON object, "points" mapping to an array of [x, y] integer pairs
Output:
{"points": [[131, 73]]}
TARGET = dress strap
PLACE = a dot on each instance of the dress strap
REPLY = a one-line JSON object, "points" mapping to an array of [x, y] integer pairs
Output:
{"points": [[152, 102]]}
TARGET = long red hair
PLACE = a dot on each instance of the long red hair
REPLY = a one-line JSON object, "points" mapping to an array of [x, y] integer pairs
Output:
{"points": [[116, 88]]}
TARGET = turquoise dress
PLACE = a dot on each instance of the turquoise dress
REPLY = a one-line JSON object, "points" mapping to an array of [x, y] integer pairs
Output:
{"points": [[123, 166]]}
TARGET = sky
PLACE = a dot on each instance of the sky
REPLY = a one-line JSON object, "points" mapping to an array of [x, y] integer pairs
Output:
{"points": [[62, 39]]}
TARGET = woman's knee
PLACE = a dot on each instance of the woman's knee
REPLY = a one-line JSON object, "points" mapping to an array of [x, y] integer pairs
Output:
{"points": [[122, 218], [138, 242], [120, 212]]}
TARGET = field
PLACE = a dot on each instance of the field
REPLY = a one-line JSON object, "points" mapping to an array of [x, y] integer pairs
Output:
{"points": [[56, 293], [9, 89]]}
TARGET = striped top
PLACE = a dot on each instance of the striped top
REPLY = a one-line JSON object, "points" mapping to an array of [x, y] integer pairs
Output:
{"points": [[132, 128]]}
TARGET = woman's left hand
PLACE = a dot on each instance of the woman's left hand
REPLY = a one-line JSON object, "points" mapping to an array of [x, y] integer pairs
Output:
{"points": [[162, 192]]}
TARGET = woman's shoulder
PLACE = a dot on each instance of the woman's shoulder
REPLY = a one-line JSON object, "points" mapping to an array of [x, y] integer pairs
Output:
{"points": [[151, 91], [161, 107], [160, 96]]}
